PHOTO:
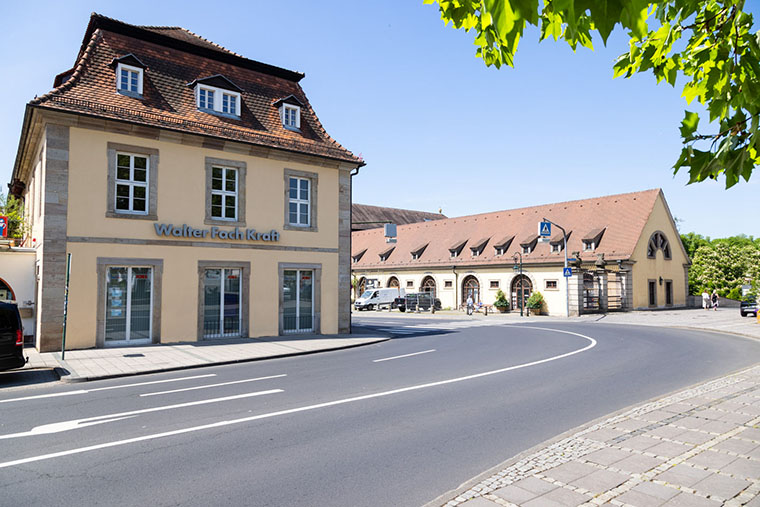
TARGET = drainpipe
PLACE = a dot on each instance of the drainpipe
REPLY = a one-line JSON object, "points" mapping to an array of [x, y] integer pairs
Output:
{"points": [[456, 287], [351, 235]]}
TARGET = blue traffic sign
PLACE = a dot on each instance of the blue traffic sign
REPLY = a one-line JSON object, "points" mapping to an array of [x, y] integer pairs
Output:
{"points": [[567, 272], [3, 227], [545, 229]]}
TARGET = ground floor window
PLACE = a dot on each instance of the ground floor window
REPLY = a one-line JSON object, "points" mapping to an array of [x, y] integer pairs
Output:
{"points": [[652, 293], [298, 300], [6, 293], [471, 288], [129, 304], [221, 302], [521, 285], [668, 292]]}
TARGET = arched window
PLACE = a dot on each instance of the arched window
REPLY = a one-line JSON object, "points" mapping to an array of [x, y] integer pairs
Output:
{"points": [[6, 293], [526, 287], [658, 241], [393, 282], [471, 288], [428, 285]]}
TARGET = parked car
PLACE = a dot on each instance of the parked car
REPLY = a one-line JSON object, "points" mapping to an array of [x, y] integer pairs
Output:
{"points": [[412, 301], [11, 337], [374, 297], [748, 307]]}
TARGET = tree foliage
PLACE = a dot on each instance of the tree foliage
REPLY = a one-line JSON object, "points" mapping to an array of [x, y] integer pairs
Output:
{"points": [[709, 43], [13, 208], [723, 264]]}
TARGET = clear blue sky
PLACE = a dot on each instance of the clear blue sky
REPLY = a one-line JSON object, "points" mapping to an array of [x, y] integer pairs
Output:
{"points": [[436, 127]]}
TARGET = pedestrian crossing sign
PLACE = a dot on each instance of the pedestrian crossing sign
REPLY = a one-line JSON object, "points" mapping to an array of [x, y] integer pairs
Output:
{"points": [[545, 229], [3, 227], [567, 272]]}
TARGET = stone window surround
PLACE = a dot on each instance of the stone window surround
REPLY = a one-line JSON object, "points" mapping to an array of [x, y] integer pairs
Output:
{"points": [[665, 283], [649, 293], [313, 184], [491, 285], [245, 291], [317, 301], [241, 170], [152, 154], [410, 284], [102, 264], [556, 284], [448, 284]]}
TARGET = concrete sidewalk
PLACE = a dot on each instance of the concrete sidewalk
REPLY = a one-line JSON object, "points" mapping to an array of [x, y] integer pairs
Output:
{"points": [[92, 364]]}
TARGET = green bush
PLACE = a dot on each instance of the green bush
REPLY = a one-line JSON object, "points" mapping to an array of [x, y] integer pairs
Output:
{"points": [[535, 301], [735, 294], [13, 208], [501, 300]]}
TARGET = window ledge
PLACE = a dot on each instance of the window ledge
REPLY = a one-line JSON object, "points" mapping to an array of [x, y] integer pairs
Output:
{"points": [[128, 93], [219, 113], [131, 216], [303, 228], [294, 129], [226, 223]]}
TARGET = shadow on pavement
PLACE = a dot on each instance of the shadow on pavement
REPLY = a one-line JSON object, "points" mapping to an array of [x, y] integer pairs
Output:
{"points": [[15, 378]]}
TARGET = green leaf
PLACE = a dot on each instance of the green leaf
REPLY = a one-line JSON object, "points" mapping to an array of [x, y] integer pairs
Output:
{"points": [[689, 125]]}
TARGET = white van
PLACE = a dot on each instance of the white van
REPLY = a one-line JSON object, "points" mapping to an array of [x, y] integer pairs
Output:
{"points": [[374, 297]]}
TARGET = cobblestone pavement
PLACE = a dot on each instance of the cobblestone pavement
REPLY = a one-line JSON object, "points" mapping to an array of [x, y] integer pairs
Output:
{"points": [[699, 447]]}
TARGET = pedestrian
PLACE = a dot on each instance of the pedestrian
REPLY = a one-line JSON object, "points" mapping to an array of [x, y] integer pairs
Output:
{"points": [[469, 304], [705, 299], [715, 300]]}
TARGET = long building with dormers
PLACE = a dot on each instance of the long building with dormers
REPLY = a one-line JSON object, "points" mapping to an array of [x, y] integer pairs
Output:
{"points": [[624, 252], [195, 190]]}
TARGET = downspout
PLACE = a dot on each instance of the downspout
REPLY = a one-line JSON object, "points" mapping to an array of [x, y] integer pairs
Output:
{"points": [[456, 287], [351, 235]]}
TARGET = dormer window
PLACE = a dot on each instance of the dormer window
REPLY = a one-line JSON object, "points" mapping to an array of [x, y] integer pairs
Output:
{"points": [[529, 244], [456, 248], [477, 248], [502, 246], [291, 116], [558, 242], [557, 247], [358, 256], [217, 95], [290, 112], [129, 75], [417, 252], [385, 254], [592, 239]]}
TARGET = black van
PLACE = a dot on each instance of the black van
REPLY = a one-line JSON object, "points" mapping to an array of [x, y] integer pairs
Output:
{"points": [[11, 337]]}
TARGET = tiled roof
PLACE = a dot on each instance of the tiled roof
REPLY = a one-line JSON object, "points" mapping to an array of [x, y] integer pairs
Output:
{"points": [[622, 217], [379, 215], [176, 57]]}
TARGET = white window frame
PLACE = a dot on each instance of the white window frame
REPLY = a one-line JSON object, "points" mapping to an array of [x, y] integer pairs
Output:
{"points": [[556, 247], [218, 102], [296, 111], [588, 246], [298, 202], [491, 284], [410, 284], [131, 183], [224, 193], [526, 250], [129, 68], [128, 308]]}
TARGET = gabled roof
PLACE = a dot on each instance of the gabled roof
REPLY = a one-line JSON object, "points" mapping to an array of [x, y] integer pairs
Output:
{"points": [[218, 81], [504, 242], [174, 57], [129, 59], [623, 216], [290, 99], [559, 238], [594, 234]]}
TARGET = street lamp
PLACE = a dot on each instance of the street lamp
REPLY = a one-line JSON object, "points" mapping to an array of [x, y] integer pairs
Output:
{"points": [[519, 268]]}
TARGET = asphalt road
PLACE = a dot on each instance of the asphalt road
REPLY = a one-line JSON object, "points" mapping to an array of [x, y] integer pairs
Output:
{"points": [[355, 427]]}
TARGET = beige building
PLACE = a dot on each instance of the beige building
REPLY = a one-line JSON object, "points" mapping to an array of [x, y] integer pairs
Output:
{"points": [[196, 191], [624, 251]]}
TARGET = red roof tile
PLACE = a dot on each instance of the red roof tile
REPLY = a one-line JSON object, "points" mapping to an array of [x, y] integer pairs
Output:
{"points": [[621, 217], [176, 57]]}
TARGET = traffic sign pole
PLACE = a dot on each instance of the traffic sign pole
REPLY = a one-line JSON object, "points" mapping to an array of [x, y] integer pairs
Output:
{"points": [[564, 239]]}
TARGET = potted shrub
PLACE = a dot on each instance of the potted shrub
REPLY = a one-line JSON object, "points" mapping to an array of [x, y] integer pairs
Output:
{"points": [[501, 302], [535, 303], [13, 208]]}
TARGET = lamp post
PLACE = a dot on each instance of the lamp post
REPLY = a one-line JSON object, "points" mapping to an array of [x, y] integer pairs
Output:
{"points": [[516, 268], [567, 279]]}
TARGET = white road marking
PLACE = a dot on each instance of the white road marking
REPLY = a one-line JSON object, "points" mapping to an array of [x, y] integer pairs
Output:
{"points": [[213, 385], [405, 355], [85, 391], [58, 427], [221, 424]]}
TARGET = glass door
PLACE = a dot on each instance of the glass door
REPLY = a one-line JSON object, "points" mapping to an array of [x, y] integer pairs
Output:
{"points": [[221, 303], [298, 301], [129, 304]]}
